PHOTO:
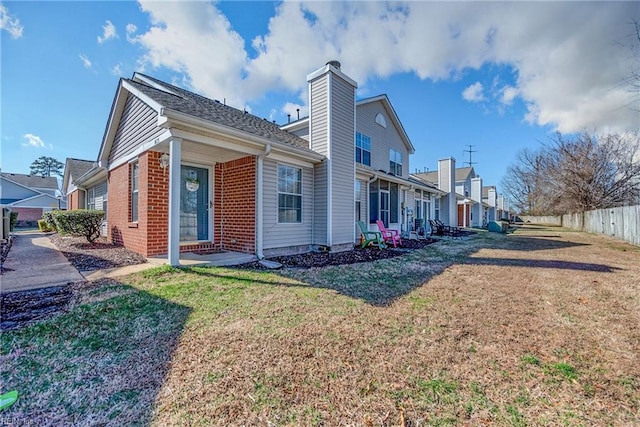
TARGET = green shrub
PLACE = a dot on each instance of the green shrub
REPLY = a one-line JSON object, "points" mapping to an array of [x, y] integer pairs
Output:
{"points": [[80, 222], [13, 220], [47, 217], [44, 226]]}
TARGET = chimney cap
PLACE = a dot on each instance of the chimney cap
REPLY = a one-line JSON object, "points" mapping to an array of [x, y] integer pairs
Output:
{"points": [[334, 63]]}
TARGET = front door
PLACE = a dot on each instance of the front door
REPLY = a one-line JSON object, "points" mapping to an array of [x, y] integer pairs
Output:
{"points": [[194, 203]]}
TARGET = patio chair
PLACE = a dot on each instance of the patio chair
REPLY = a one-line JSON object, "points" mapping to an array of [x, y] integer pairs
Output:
{"points": [[422, 232], [371, 237], [448, 230], [390, 236]]}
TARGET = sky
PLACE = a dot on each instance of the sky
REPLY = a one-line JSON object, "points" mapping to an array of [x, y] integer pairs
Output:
{"points": [[487, 77]]}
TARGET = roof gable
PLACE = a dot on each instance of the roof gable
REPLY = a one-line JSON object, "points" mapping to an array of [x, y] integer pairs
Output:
{"points": [[74, 169], [391, 112]]}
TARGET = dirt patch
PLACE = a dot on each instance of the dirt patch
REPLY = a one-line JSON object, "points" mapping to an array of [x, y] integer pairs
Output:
{"points": [[358, 255], [85, 256]]}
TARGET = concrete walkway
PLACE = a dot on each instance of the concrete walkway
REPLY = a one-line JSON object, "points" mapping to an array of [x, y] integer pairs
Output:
{"points": [[34, 262]]}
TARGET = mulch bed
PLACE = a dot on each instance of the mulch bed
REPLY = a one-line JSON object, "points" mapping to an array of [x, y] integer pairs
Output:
{"points": [[85, 256], [323, 259]]}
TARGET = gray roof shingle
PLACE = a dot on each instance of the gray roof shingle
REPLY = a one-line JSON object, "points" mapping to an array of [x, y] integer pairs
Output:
{"points": [[195, 105], [32, 181], [78, 167]]}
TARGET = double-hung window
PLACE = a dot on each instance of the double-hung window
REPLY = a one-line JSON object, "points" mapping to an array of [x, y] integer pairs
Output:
{"points": [[363, 149], [134, 183], [289, 194], [91, 198], [395, 162]]}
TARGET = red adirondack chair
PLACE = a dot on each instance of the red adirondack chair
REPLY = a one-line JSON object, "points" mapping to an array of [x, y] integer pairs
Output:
{"points": [[391, 236]]}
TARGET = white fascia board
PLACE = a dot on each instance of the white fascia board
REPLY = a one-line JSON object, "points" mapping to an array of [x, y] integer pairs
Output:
{"points": [[234, 135], [297, 125], [124, 89], [149, 82]]}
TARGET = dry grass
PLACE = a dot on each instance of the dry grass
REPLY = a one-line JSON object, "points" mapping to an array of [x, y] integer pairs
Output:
{"points": [[538, 328]]}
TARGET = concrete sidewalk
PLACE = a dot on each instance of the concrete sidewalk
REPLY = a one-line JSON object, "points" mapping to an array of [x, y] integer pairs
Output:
{"points": [[34, 262]]}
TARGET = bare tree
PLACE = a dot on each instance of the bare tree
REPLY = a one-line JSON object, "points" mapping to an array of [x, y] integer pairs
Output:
{"points": [[576, 174]]}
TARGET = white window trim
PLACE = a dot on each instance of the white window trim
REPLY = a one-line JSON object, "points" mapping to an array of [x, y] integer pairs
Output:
{"points": [[301, 195]]}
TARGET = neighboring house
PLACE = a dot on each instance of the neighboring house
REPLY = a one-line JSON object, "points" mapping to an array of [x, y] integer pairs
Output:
{"points": [[92, 192], [185, 173], [30, 196], [469, 208], [490, 199]]}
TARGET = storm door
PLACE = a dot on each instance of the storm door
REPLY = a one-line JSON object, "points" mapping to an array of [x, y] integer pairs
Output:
{"points": [[194, 203]]}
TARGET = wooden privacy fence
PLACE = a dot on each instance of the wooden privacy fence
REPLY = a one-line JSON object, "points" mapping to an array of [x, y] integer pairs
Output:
{"points": [[621, 223]]}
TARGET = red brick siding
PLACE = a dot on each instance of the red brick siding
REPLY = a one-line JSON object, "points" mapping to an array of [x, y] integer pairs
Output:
{"points": [[28, 214], [234, 207], [73, 200], [236, 188], [121, 230]]}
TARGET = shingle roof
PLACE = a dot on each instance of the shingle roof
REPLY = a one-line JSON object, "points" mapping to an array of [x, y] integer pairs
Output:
{"points": [[485, 190], [431, 177], [463, 173], [195, 105], [32, 181], [78, 167]]}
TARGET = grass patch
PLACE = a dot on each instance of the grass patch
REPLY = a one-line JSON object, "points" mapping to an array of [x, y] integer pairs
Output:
{"points": [[426, 339]]}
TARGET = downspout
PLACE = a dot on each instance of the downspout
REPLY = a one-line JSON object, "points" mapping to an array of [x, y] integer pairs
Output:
{"points": [[259, 201]]}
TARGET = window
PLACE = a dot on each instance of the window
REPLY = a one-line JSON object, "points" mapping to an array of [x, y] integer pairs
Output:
{"points": [[383, 201], [289, 194], [135, 168], [395, 162], [91, 198], [363, 149], [436, 207]]}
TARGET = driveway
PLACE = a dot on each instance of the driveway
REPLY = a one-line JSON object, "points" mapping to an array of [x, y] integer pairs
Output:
{"points": [[34, 263]]}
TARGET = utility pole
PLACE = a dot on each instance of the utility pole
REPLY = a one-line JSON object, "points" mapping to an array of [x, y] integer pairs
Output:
{"points": [[470, 151]]}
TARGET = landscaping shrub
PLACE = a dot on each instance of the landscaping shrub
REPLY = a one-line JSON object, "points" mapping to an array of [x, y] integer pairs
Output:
{"points": [[44, 226], [80, 222], [13, 220], [47, 217]]}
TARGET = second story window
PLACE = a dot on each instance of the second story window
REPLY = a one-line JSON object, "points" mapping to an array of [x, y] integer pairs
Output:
{"points": [[395, 162], [363, 149]]}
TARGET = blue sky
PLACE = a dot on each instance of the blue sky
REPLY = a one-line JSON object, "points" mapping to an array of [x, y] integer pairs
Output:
{"points": [[498, 76]]}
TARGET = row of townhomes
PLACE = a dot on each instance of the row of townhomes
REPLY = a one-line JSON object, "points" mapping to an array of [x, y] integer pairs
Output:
{"points": [[181, 173]]}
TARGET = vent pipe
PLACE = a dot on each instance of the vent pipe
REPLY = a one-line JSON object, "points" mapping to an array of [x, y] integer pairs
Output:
{"points": [[288, 118], [298, 110]]}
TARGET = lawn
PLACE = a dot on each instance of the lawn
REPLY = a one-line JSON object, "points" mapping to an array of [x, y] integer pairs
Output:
{"points": [[541, 327]]}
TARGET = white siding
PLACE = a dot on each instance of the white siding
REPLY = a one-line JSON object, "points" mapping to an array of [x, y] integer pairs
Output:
{"points": [[283, 235], [320, 204], [137, 126]]}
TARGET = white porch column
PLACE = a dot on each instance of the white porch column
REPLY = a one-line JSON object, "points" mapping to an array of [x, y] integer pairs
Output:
{"points": [[174, 201]]}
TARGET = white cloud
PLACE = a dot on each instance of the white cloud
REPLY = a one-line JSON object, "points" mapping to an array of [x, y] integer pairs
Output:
{"points": [[131, 32], [108, 32], [568, 75], [117, 70], [85, 61], [508, 94], [10, 23], [474, 93], [33, 141]]}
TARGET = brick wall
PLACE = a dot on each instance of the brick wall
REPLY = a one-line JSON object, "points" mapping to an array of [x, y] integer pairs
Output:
{"points": [[73, 200], [234, 207], [28, 214], [235, 204]]}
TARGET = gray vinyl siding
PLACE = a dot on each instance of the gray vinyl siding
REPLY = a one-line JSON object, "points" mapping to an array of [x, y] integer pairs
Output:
{"points": [[342, 163], [319, 143], [320, 204], [382, 139], [319, 116], [137, 126], [283, 235]]}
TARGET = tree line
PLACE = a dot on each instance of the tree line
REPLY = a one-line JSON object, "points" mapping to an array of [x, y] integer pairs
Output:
{"points": [[575, 173]]}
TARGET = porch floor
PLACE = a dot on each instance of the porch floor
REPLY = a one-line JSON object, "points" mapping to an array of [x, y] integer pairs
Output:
{"points": [[218, 259]]}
